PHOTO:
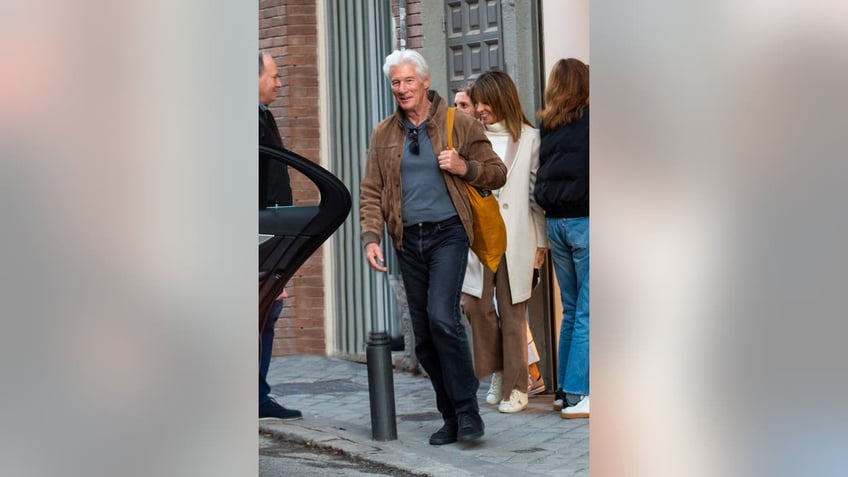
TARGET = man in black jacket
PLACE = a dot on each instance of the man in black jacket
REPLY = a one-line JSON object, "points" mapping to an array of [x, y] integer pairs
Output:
{"points": [[275, 174], [276, 191]]}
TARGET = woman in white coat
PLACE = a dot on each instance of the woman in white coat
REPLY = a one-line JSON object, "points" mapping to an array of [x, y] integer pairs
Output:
{"points": [[496, 303]]}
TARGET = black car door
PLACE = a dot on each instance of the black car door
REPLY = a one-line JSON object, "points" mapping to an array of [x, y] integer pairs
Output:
{"points": [[289, 235]]}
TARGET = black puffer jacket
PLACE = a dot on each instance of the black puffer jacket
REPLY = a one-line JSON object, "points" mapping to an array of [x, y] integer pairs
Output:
{"points": [[562, 181]]}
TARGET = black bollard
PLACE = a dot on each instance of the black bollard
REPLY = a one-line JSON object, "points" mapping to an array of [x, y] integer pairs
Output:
{"points": [[381, 386]]}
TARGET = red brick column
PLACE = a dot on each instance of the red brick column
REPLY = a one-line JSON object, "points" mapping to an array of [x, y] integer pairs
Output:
{"points": [[288, 31]]}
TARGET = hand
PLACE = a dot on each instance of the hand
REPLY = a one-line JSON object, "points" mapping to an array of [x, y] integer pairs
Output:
{"points": [[540, 257], [375, 257], [283, 295], [449, 160]]}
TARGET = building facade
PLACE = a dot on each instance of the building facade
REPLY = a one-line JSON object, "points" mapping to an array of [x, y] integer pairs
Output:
{"points": [[330, 55]]}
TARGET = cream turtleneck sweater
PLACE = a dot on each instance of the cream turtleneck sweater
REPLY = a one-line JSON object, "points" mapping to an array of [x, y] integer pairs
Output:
{"points": [[499, 137]]}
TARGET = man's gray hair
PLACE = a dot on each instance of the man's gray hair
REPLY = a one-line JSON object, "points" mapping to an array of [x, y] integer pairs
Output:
{"points": [[399, 57]]}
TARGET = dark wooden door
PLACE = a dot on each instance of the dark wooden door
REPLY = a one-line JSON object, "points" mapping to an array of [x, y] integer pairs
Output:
{"points": [[473, 29]]}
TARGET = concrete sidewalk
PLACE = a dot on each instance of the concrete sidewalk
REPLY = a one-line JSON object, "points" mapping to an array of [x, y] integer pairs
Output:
{"points": [[333, 396]]}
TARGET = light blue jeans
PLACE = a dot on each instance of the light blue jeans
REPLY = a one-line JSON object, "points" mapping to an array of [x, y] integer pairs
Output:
{"points": [[570, 250]]}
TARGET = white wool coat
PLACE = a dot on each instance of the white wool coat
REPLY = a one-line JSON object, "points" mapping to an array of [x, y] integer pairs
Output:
{"points": [[525, 221]]}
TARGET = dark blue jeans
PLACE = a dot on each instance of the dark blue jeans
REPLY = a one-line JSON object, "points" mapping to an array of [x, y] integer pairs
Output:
{"points": [[432, 264], [265, 352]]}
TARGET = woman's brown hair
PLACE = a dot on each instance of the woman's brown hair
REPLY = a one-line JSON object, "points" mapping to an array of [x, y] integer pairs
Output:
{"points": [[566, 95], [496, 89]]}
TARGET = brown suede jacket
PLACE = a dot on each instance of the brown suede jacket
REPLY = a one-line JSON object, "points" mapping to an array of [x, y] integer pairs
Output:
{"points": [[381, 197]]}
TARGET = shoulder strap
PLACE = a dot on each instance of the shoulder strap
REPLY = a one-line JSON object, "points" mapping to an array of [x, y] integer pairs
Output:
{"points": [[451, 112]]}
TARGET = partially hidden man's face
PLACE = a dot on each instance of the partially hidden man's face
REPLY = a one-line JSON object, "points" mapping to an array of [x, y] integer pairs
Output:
{"points": [[410, 91], [269, 81], [463, 103]]}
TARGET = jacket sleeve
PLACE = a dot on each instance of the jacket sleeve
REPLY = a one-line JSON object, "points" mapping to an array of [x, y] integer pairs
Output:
{"points": [[370, 199], [537, 213], [485, 168]]}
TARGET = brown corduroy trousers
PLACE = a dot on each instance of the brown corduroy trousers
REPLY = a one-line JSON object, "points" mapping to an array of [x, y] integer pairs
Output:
{"points": [[499, 334]]}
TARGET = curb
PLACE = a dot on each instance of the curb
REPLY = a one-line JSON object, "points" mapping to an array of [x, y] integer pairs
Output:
{"points": [[389, 453]]}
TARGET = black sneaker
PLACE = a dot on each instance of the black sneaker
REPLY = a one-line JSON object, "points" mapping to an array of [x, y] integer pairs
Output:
{"points": [[445, 435], [559, 399], [271, 410], [470, 427]]}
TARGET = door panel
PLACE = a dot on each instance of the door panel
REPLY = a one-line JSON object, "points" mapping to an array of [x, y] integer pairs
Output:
{"points": [[473, 39]]}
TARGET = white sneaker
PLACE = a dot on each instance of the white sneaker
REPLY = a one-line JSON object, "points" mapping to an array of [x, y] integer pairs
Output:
{"points": [[579, 410], [517, 402], [495, 389]]}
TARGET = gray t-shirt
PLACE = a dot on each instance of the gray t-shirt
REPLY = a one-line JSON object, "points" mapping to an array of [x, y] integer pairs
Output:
{"points": [[425, 196]]}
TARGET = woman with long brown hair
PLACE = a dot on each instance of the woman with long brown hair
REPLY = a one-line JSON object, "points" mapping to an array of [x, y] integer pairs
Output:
{"points": [[562, 189], [499, 333]]}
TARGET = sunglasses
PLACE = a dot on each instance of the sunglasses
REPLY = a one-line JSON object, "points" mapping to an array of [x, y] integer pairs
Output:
{"points": [[412, 134]]}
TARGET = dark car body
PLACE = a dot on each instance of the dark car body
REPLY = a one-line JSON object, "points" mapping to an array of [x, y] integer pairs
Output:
{"points": [[289, 235]]}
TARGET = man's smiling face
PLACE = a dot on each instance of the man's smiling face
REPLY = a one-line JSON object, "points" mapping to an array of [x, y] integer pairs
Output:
{"points": [[410, 91]]}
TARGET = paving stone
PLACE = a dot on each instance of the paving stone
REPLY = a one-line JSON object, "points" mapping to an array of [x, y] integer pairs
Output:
{"points": [[333, 395]]}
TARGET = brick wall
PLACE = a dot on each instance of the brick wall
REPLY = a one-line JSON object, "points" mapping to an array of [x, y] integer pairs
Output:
{"points": [[288, 31], [414, 28]]}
